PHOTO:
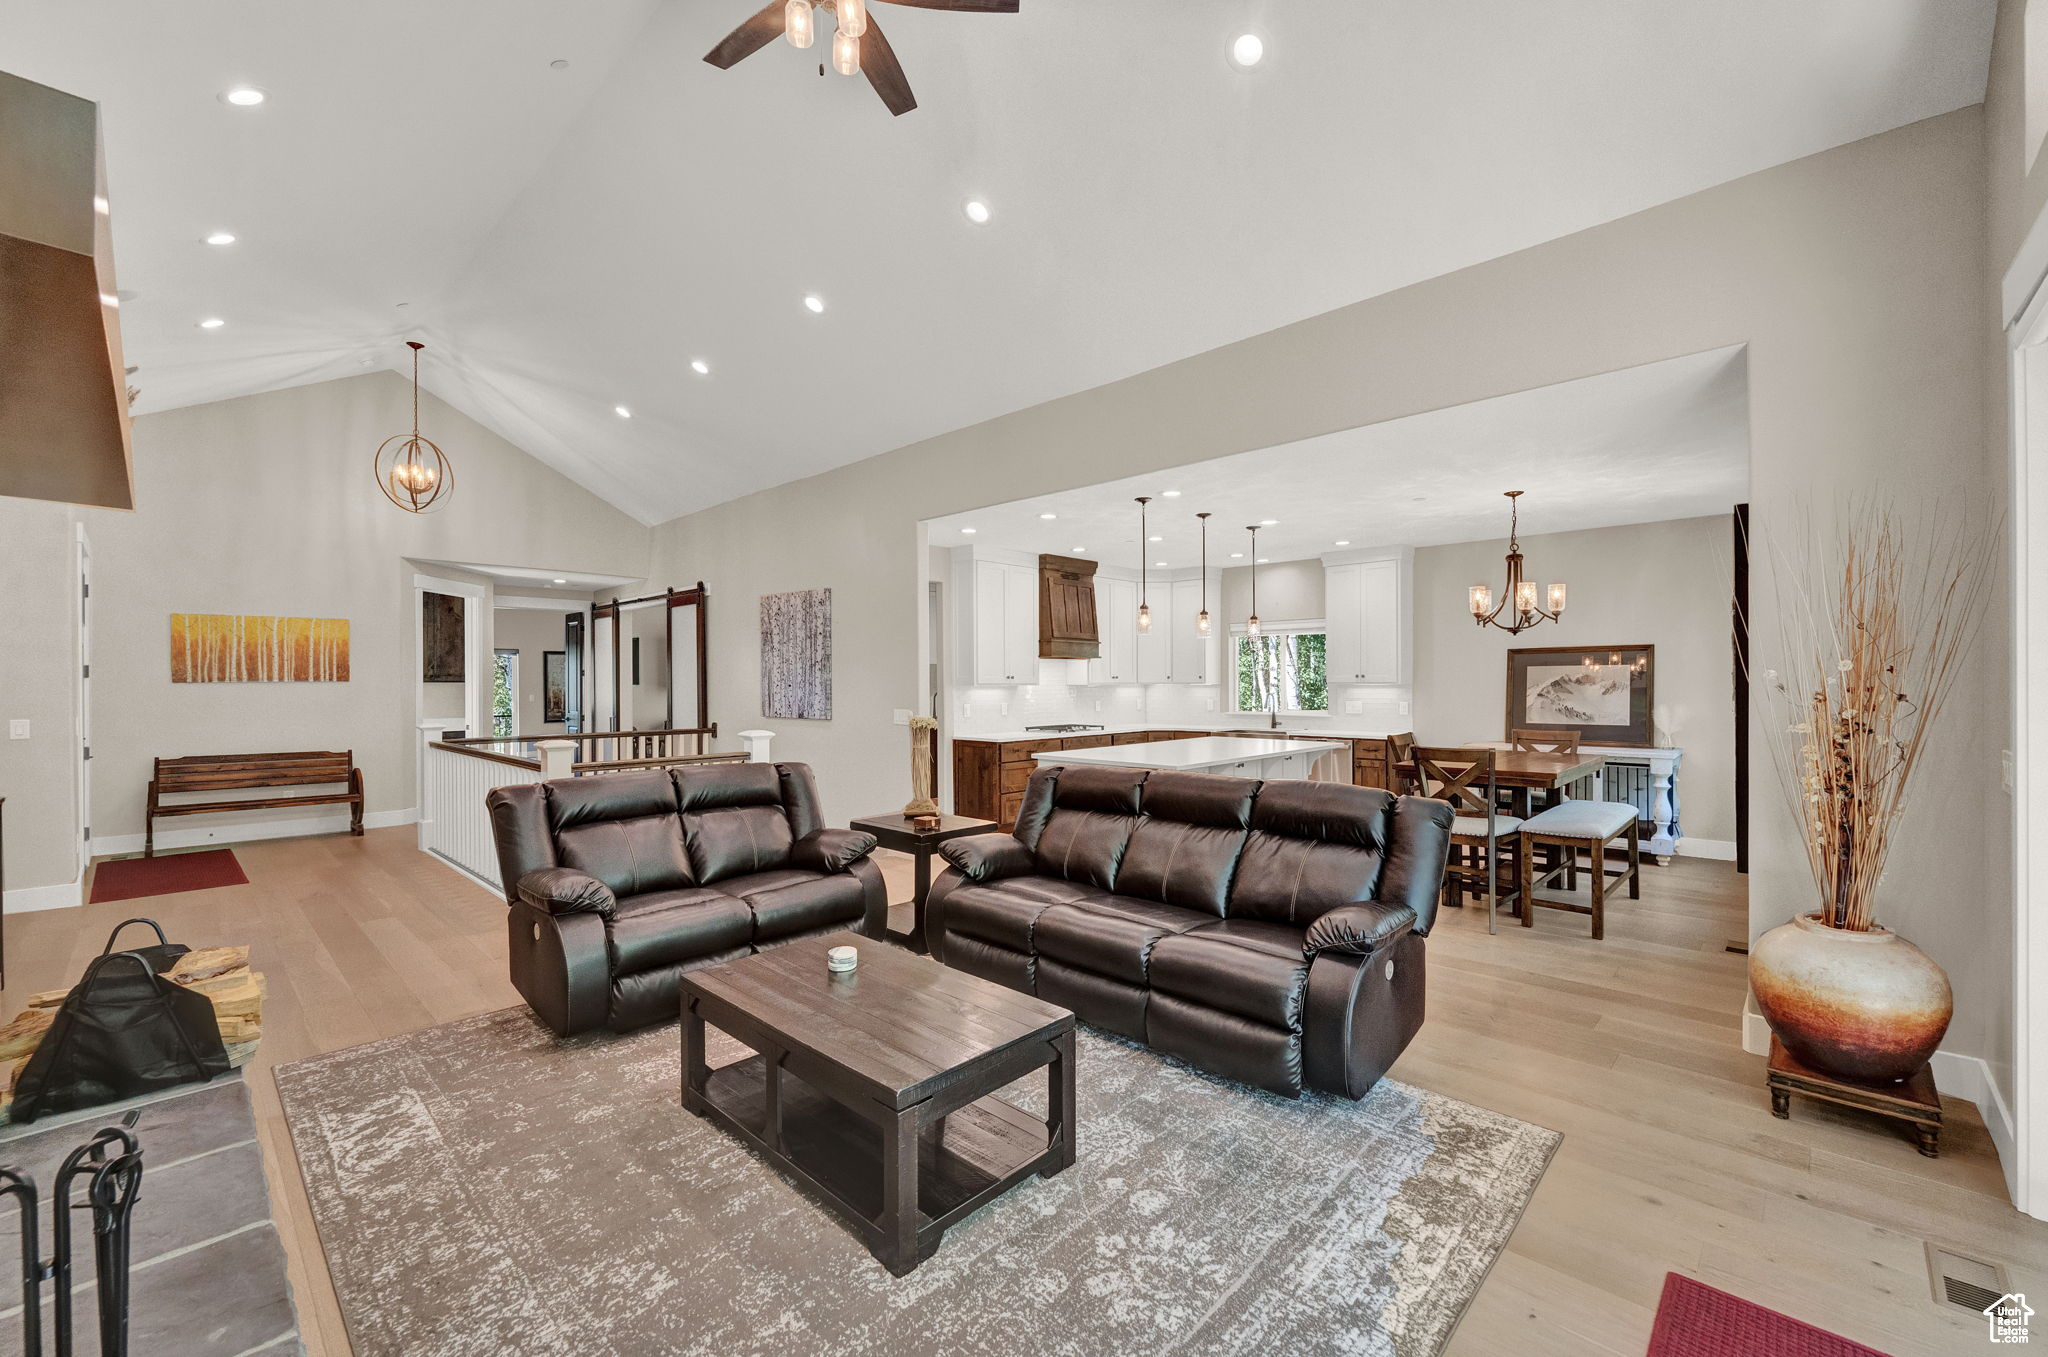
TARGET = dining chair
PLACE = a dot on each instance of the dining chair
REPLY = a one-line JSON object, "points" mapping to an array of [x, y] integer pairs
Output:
{"points": [[1558, 742], [1465, 778], [1400, 748]]}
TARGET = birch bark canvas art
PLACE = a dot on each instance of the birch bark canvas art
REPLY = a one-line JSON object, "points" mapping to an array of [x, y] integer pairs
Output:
{"points": [[220, 648], [796, 654]]}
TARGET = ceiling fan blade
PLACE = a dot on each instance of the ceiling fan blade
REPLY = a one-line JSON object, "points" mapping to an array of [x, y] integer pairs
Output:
{"points": [[749, 38], [878, 63], [963, 6]]}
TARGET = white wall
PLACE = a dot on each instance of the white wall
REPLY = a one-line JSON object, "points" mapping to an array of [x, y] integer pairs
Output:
{"points": [[38, 684], [1855, 277], [1666, 585], [264, 505]]}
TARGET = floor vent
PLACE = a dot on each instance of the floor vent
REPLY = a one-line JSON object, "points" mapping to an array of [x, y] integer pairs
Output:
{"points": [[1966, 1283]]}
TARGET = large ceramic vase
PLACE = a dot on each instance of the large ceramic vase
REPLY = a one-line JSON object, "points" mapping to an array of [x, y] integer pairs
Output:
{"points": [[1863, 1006]]}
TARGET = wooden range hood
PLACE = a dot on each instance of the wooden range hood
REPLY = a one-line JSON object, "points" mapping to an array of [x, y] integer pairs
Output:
{"points": [[1067, 629], [63, 385]]}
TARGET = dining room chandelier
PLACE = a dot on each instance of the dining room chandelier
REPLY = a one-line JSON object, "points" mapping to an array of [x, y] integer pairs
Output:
{"points": [[1518, 598], [412, 472]]}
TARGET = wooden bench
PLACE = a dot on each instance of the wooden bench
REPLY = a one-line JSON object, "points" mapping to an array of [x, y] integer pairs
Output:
{"points": [[239, 772]]}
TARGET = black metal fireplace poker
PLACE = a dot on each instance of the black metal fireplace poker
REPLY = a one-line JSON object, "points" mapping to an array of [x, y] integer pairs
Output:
{"points": [[113, 1182]]}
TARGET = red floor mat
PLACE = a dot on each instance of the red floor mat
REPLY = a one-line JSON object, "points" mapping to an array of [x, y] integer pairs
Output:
{"points": [[133, 878], [1695, 1320]]}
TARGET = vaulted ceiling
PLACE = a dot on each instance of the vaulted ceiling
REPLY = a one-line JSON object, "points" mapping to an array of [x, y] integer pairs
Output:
{"points": [[569, 240]]}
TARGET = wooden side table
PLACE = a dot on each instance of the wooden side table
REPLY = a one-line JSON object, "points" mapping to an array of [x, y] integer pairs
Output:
{"points": [[1914, 1102], [894, 831]]}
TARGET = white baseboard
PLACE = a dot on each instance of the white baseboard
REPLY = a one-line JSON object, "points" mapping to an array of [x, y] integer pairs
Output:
{"points": [[63, 895], [227, 831], [1956, 1075], [1721, 850]]}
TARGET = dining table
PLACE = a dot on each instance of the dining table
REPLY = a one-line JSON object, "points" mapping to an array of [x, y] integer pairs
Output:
{"points": [[1525, 775]]}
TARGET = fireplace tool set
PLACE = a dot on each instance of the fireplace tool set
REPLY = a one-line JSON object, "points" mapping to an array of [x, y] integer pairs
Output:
{"points": [[110, 1165]]}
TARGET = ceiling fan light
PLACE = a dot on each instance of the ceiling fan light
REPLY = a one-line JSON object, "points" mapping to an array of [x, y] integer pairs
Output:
{"points": [[845, 53], [796, 23], [853, 17]]}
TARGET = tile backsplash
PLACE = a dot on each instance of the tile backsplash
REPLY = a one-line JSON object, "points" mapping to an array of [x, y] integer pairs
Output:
{"points": [[1058, 699]]}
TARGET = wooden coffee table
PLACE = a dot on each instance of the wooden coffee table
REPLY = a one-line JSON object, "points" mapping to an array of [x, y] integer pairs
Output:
{"points": [[874, 1089]]}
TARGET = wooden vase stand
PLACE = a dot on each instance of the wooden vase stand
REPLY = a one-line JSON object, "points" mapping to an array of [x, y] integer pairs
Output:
{"points": [[1912, 1100]]}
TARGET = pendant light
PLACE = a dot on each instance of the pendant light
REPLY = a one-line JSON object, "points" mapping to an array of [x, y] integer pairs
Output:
{"points": [[411, 471], [1144, 582], [1202, 617], [845, 53], [796, 23], [1517, 596], [1251, 623], [853, 18]]}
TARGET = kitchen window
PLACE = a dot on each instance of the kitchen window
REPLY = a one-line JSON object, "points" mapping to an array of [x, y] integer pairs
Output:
{"points": [[1284, 662]]}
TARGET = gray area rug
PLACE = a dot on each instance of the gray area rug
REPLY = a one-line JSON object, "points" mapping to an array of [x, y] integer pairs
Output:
{"points": [[207, 1269], [484, 1187]]}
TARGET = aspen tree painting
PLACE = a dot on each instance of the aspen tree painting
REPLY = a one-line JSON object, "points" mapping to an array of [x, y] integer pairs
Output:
{"points": [[216, 648]]}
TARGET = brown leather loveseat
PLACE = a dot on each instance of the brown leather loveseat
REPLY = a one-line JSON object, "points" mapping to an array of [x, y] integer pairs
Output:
{"points": [[1269, 932], [619, 883]]}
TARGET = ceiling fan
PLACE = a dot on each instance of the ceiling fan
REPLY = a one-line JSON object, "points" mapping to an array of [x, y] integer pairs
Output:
{"points": [[857, 42]]}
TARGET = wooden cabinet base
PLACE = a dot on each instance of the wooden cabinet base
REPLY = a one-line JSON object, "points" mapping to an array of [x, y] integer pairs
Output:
{"points": [[1914, 1101]]}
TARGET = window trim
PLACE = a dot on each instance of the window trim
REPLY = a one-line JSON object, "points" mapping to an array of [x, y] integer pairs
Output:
{"points": [[1297, 627]]}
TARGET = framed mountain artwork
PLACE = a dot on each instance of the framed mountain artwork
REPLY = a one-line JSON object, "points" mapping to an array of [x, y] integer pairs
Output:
{"points": [[1602, 692]]}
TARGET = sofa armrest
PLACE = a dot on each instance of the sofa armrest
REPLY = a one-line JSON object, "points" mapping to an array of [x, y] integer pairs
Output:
{"points": [[831, 850], [1363, 928], [563, 890], [986, 857]]}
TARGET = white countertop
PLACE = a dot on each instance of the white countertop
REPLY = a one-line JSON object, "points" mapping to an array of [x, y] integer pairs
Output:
{"points": [[1243, 721], [1189, 755]]}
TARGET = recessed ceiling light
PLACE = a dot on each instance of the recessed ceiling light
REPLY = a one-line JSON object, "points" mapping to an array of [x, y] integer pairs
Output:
{"points": [[211, 323], [1263, 560], [814, 304], [700, 367], [1159, 565], [1268, 522], [970, 531], [1247, 50], [977, 211], [1342, 542], [1048, 517], [561, 581], [1080, 549], [622, 412], [1170, 494], [221, 238], [1236, 555], [1155, 539], [243, 96]]}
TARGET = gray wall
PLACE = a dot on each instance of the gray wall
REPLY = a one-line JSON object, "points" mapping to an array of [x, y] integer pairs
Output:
{"points": [[39, 684], [264, 505], [532, 633], [1856, 278], [1662, 584]]}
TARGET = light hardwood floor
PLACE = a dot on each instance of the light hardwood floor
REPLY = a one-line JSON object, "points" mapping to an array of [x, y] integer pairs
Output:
{"points": [[1671, 1160]]}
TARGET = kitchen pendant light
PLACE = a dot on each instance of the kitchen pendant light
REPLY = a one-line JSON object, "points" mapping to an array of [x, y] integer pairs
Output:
{"points": [[411, 471], [1251, 623], [1518, 596], [1144, 590], [1202, 617]]}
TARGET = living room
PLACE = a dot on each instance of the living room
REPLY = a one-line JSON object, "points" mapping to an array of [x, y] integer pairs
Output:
{"points": [[1331, 232]]}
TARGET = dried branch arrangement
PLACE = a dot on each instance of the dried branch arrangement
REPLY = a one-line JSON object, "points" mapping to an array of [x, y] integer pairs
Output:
{"points": [[1875, 625]]}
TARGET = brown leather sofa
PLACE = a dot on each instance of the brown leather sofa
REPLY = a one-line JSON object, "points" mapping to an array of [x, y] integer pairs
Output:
{"points": [[619, 883], [1267, 932]]}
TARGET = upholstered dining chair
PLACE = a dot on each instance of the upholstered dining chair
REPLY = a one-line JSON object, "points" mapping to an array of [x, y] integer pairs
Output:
{"points": [[1481, 831]]}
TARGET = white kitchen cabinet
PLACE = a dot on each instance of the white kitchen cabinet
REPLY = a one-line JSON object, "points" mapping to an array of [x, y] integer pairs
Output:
{"points": [[1194, 655], [1155, 647], [1366, 621], [999, 628], [1116, 610]]}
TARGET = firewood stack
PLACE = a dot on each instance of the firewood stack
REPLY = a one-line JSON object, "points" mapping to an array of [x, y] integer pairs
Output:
{"points": [[222, 974]]}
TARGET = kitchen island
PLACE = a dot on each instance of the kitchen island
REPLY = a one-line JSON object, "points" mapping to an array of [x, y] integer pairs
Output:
{"points": [[1231, 756]]}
